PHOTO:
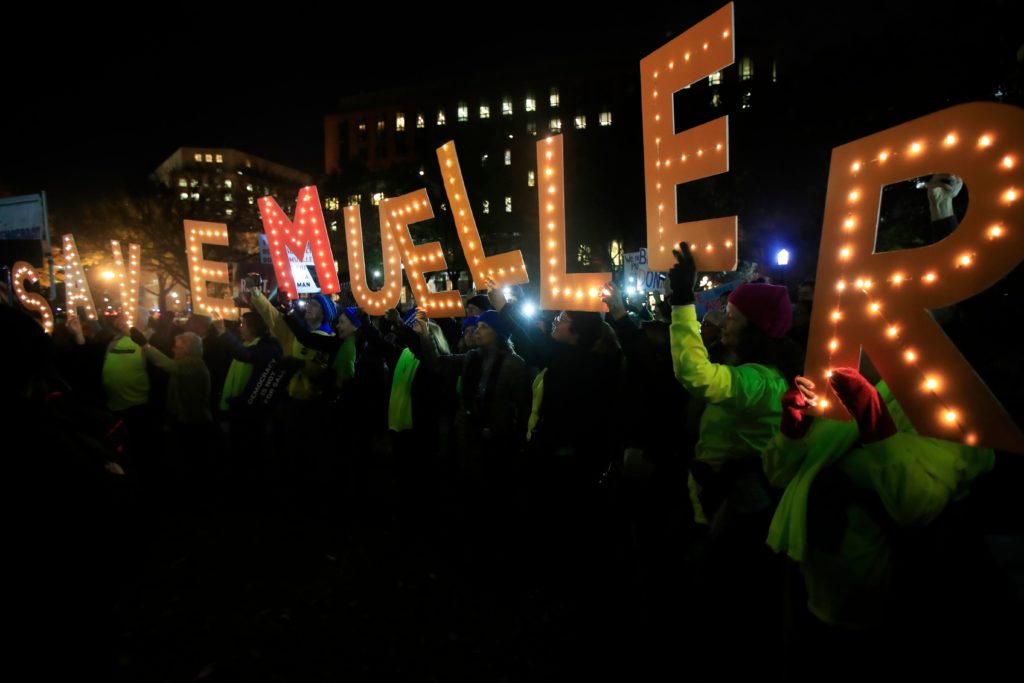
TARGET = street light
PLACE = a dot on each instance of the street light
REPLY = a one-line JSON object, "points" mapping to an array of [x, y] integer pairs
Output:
{"points": [[782, 258]]}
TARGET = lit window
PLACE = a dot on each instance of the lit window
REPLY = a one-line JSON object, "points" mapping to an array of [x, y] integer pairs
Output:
{"points": [[506, 106], [399, 121], [716, 99], [508, 205], [198, 157], [746, 100], [184, 196], [485, 111], [531, 127], [332, 204], [334, 228], [746, 69], [229, 212], [483, 159], [775, 72], [248, 187], [583, 255], [605, 118], [193, 182], [252, 201], [362, 127], [463, 112], [581, 122], [616, 250], [715, 78], [508, 157], [487, 206], [182, 182], [531, 103], [444, 207], [195, 196], [420, 123], [227, 184], [556, 125], [440, 116], [377, 198], [227, 197], [209, 158], [380, 126], [554, 97], [531, 179], [355, 199], [220, 158]]}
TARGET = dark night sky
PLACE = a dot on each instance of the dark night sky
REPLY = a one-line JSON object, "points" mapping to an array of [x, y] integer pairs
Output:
{"points": [[93, 104]]}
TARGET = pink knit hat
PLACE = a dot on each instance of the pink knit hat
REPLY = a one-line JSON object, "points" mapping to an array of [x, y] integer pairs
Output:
{"points": [[767, 307]]}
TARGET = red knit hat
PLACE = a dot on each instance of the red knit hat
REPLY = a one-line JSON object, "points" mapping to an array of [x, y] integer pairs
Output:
{"points": [[767, 307]]}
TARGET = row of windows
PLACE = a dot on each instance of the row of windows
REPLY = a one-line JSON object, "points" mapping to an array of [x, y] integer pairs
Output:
{"points": [[228, 184], [507, 108], [746, 72], [218, 158], [580, 121], [716, 100], [195, 196]]}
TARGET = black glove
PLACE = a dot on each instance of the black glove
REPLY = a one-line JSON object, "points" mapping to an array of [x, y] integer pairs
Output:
{"points": [[138, 337], [683, 276]]}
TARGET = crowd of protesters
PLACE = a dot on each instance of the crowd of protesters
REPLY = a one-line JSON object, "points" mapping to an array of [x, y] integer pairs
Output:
{"points": [[661, 475]]}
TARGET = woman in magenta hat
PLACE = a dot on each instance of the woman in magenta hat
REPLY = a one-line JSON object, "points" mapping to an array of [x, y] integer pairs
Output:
{"points": [[731, 497]]}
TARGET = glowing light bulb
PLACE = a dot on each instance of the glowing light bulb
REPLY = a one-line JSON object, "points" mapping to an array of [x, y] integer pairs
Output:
{"points": [[892, 331], [985, 141], [950, 416], [910, 356], [931, 384]]}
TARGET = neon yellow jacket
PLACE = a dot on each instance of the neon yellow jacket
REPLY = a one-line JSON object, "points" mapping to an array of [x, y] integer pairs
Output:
{"points": [[304, 383], [744, 403], [914, 478], [238, 376], [124, 375]]}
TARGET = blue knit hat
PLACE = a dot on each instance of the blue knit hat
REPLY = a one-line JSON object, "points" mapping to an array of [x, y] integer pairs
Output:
{"points": [[496, 322], [327, 306], [469, 321], [352, 313]]}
